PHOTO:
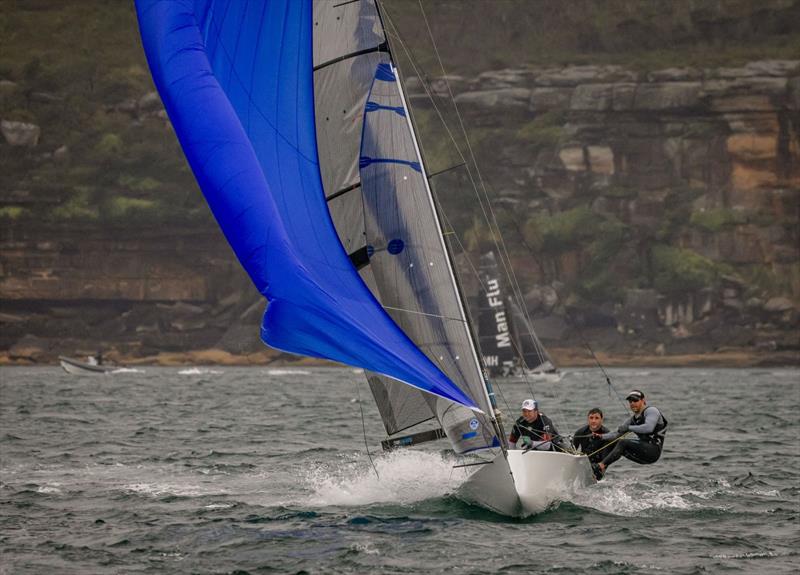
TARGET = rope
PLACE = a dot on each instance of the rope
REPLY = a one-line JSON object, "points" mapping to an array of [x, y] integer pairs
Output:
{"points": [[608, 379], [612, 442], [364, 430]]}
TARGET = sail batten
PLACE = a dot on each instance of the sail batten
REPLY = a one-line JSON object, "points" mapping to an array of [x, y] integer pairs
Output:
{"points": [[379, 48]]}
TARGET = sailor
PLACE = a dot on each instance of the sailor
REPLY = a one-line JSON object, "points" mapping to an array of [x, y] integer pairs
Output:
{"points": [[585, 440], [647, 423], [534, 430]]}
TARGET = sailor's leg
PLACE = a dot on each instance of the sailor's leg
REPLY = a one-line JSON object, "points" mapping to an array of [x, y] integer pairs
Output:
{"points": [[642, 452], [618, 451]]}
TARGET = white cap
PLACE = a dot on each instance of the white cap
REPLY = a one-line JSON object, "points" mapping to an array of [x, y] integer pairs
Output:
{"points": [[530, 404]]}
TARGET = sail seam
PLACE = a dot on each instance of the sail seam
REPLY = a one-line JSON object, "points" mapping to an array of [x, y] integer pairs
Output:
{"points": [[233, 73], [424, 313]]}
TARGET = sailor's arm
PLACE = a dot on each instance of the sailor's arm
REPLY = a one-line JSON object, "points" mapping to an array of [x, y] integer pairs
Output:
{"points": [[650, 421], [621, 430], [608, 436]]}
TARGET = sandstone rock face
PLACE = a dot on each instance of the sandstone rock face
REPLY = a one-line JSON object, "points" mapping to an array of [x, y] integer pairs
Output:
{"points": [[500, 98], [91, 266], [711, 153], [729, 138], [20, 133]]}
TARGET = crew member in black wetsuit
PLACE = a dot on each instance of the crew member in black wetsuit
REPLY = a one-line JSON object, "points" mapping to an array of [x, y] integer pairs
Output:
{"points": [[585, 440], [649, 425], [534, 429]]}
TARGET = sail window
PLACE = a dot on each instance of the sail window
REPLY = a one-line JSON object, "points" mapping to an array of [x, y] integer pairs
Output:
{"points": [[395, 246]]}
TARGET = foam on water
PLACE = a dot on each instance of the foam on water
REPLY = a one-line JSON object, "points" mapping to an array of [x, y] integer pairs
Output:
{"points": [[631, 497], [51, 489], [400, 481], [199, 371], [287, 372], [161, 489], [126, 370], [749, 555], [218, 506]]}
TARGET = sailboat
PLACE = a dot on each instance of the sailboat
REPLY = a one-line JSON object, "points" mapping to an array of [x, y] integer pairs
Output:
{"points": [[294, 121], [507, 340], [495, 334]]}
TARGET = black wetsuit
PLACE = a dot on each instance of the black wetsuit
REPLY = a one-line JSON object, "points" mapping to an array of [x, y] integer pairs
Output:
{"points": [[591, 445], [650, 427], [542, 429]]}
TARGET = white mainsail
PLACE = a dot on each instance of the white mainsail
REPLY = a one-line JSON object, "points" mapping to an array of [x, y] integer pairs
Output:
{"points": [[384, 213]]}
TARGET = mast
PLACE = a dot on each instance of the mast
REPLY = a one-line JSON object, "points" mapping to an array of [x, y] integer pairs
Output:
{"points": [[476, 357]]}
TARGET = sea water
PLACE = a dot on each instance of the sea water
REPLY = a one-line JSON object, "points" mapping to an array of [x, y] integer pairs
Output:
{"points": [[263, 470]]}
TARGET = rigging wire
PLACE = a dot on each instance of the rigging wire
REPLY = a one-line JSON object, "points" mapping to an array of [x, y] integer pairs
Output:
{"points": [[570, 317], [364, 429], [412, 62], [496, 234], [484, 201], [492, 222]]}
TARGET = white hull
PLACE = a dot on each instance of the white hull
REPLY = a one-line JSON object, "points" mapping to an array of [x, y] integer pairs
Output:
{"points": [[538, 479], [76, 367], [543, 376]]}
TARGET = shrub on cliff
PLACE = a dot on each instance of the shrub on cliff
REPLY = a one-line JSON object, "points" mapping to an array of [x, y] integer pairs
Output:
{"points": [[677, 270], [545, 131], [715, 220]]}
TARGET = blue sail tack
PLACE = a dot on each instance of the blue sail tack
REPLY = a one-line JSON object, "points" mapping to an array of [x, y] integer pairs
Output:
{"points": [[236, 80]]}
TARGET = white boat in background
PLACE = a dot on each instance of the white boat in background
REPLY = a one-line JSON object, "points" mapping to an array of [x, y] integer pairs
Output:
{"points": [[295, 122], [77, 367], [545, 373], [509, 345]]}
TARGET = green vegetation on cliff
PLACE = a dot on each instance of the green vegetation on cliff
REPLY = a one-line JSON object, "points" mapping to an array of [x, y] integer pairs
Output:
{"points": [[608, 221], [77, 70], [677, 271], [639, 34]]}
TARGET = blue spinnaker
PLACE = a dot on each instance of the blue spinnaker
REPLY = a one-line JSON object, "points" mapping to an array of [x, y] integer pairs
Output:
{"points": [[236, 80]]}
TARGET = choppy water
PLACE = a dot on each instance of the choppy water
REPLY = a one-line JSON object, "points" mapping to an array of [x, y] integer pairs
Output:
{"points": [[221, 470]]}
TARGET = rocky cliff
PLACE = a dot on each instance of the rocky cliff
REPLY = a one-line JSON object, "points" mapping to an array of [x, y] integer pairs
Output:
{"points": [[649, 210], [662, 204]]}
